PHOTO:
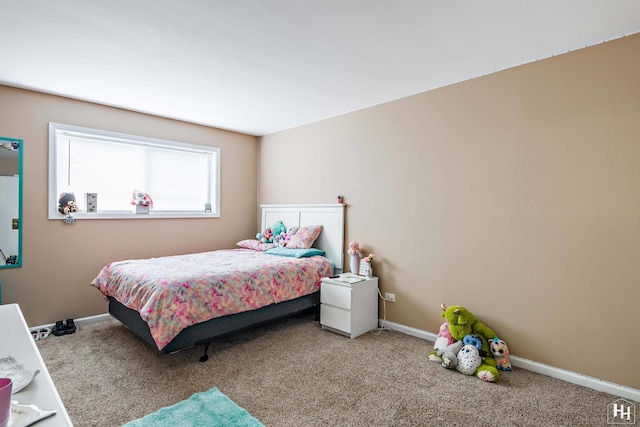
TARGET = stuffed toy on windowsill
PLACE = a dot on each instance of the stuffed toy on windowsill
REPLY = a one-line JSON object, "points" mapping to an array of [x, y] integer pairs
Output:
{"points": [[67, 204], [139, 198]]}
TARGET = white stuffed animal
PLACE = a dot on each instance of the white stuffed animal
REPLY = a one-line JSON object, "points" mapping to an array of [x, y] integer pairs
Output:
{"points": [[141, 199], [468, 359], [443, 340]]}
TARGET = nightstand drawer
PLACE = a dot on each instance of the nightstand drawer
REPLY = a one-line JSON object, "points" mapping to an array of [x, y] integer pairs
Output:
{"points": [[336, 295], [335, 318]]}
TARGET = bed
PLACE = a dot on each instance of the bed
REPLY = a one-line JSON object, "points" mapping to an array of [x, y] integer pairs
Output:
{"points": [[182, 301]]}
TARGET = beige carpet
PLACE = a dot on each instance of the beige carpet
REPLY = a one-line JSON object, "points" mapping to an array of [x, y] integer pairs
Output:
{"points": [[292, 373]]}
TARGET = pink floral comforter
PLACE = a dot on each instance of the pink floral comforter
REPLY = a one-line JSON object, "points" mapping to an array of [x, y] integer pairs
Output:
{"points": [[172, 293]]}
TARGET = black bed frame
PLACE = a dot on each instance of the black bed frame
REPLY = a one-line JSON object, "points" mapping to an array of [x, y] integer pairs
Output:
{"points": [[205, 332]]}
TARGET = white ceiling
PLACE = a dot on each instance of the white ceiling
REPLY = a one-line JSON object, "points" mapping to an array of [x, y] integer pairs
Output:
{"points": [[261, 66]]}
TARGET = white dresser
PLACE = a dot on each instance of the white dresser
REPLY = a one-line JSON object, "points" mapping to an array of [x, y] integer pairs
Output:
{"points": [[349, 308], [16, 341]]}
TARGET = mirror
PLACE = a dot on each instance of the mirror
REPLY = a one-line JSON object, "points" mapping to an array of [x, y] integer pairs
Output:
{"points": [[10, 202]]}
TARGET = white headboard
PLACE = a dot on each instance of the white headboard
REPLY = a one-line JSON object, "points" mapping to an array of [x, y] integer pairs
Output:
{"points": [[330, 216]]}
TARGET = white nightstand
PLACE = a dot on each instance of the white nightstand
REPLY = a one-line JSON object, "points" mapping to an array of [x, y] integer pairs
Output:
{"points": [[349, 308]]}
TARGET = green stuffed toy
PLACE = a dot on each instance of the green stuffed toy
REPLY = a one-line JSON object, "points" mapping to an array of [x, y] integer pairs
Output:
{"points": [[462, 323], [279, 229]]}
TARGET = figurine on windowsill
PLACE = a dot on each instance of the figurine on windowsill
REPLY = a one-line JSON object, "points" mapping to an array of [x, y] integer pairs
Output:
{"points": [[142, 201]]}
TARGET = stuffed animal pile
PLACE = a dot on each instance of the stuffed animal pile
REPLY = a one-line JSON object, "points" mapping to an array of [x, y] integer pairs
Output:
{"points": [[464, 343], [270, 233], [277, 234]]}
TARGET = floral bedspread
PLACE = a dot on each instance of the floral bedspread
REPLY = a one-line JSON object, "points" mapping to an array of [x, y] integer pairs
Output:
{"points": [[172, 293]]}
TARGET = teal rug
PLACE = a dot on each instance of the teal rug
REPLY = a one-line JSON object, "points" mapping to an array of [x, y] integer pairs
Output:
{"points": [[207, 409]]}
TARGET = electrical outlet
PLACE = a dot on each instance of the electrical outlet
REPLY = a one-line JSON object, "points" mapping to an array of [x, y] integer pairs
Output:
{"points": [[390, 297]]}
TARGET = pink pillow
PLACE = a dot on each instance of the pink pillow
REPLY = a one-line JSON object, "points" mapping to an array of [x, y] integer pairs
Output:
{"points": [[304, 237], [256, 245]]}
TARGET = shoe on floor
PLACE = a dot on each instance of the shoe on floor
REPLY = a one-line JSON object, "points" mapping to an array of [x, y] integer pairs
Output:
{"points": [[59, 329], [35, 335], [44, 333], [70, 328]]}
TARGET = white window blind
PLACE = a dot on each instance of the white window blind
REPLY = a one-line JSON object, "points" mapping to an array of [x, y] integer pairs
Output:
{"points": [[179, 178]]}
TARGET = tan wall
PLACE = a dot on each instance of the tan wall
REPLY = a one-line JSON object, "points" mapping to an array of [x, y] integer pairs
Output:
{"points": [[59, 261], [515, 195]]}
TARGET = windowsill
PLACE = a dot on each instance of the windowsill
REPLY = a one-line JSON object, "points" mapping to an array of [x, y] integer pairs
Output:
{"points": [[131, 215]]}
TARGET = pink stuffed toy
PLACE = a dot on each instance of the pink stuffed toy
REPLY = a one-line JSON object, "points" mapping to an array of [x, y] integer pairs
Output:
{"points": [[354, 248], [142, 199], [443, 340], [266, 236], [290, 232]]}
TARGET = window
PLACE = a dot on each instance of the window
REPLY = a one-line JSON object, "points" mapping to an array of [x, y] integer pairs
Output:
{"points": [[103, 169]]}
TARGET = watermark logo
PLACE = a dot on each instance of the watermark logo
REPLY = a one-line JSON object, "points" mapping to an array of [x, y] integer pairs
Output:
{"points": [[621, 411]]}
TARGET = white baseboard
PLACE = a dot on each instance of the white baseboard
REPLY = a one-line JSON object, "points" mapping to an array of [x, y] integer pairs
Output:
{"points": [[93, 319], [79, 322], [540, 368]]}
